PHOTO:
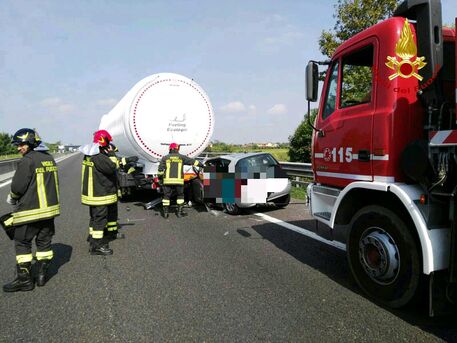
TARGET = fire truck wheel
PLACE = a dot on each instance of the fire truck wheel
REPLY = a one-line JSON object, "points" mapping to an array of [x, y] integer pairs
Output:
{"points": [[383, 256]]}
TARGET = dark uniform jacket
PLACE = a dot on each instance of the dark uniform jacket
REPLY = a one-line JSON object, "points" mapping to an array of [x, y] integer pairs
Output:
{"points": [[99, 180], [36, 187], [171, 168]]}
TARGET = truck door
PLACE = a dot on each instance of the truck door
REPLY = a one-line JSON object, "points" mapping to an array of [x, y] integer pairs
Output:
{"points": [[343, 146]]}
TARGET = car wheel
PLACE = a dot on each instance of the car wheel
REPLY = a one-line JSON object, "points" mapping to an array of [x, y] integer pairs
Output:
{"points": [[282, 201], [231, 208], [383, 256]]}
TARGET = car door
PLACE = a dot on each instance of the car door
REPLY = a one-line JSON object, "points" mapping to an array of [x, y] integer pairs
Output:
{"points": [[343, 142]]}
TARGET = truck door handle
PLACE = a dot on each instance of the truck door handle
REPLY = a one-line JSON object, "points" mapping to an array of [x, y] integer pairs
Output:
{"points": [[364, 155]]}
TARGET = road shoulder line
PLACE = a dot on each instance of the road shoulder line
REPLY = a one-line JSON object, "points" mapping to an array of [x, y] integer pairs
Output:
{"points": [[302, 231]]}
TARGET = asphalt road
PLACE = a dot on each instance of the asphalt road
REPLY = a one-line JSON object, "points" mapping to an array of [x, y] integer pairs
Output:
{"points": [[208, 277]]}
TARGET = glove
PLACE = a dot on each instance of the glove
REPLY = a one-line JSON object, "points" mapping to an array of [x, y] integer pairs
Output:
{"points": [[10, 200]]}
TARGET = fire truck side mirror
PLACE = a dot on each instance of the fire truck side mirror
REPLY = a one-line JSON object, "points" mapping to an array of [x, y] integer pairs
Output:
{"points": [[311, 81]]}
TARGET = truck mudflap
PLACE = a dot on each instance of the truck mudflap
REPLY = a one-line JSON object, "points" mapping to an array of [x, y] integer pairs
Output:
{"points": [[442, 295]]}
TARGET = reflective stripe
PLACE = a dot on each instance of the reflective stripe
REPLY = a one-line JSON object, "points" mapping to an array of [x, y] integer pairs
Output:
{"points": [[124, 161], [56, 180], [44, 255], [166, 202], [173, 181], [180, 201], [33, 215], [82, 178], [97, 234], [14, 196], [96, 201], [9, 221], [91, 229], [111, 226], [167, 175], [196, 163], [24, 258], [131, 170], [90, 185], [41, 190]]}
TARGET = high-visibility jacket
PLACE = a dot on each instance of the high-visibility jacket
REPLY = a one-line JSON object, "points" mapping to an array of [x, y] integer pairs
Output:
{"points": [[171, 168], [98, 180], [35, 186]]}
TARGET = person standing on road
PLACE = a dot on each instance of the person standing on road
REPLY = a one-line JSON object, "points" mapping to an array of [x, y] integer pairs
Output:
{"points": [[112, 227], [99, 191], [172, 174], [35, 195]]}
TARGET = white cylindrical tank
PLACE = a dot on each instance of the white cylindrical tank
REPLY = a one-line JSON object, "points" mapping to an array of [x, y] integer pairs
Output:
{"points": [[161, 109]]}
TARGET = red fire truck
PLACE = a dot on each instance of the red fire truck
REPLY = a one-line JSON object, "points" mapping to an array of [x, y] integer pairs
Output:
{"points": [[384, 156]]}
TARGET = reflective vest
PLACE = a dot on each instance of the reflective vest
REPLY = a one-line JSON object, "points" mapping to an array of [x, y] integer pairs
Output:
{"points": [[35, 186], [171, 168], [98, 180]]}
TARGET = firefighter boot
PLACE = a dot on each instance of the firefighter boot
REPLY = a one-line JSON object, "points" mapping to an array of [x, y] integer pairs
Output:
{"points": [[165, 212], [23, 281], [100, 248], [43, 266], [180, 212]]}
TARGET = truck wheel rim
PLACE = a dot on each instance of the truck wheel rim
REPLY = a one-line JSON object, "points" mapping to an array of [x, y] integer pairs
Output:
{"points": [[379, 256]]}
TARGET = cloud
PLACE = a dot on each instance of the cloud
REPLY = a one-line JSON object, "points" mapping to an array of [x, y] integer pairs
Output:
{"points": [[57, 104], [285, 38], [278, 109], [107, 102], [233, 107]]}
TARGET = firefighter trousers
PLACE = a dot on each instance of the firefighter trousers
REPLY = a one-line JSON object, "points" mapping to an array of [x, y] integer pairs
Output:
{"points": [[103, 219], [42, 231], [168, 193]]}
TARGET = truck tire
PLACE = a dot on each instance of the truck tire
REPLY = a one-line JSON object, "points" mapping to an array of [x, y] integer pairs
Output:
{"points": [[383, 256]]}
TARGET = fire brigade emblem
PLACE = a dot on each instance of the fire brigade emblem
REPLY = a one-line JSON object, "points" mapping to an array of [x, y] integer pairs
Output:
{"points": [[406, 49], [327, 154]]}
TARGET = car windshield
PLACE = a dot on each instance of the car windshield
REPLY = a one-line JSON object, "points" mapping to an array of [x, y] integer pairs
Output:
{"points": [[256, 161], [220, 164]]}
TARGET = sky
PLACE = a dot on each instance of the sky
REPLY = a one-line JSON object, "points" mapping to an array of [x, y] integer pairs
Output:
{"points": [[63, 64]]}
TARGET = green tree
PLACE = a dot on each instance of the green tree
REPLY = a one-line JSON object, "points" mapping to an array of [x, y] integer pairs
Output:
{"points": [[300, 141], [352, 17], [53, 147], [6, 147]]}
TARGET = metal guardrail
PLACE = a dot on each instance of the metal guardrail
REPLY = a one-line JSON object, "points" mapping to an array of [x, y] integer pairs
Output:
{"points": [[300, 174], [9, 165]]}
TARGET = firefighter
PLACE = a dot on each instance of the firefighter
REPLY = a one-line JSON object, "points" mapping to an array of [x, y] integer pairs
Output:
{"points": [[112, 227], [35, 195], [171, 172], [99, 191]]}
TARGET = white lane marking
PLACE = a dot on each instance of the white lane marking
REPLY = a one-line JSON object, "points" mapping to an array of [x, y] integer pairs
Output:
{"points": [[60, 159], [302, 231]]}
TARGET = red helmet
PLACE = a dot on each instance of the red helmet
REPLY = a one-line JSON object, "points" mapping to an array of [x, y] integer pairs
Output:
{"points": [[173, 146], [102, 138]]}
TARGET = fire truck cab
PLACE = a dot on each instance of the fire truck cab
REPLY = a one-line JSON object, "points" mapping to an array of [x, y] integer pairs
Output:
{"points": [[384, 155]]}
